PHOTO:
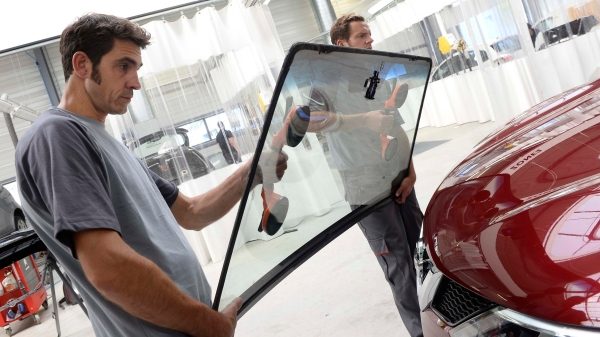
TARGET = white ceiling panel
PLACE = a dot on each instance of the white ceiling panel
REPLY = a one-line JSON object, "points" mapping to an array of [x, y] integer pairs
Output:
{"points": [[27, 21]]}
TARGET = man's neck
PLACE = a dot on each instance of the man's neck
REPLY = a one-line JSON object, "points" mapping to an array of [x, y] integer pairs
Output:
{"points": [[76, 100]]}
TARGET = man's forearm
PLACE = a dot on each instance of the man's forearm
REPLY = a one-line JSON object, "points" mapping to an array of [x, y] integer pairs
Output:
{"points": [[140, 287], [327, 121], [331, 122], [200, 211]]}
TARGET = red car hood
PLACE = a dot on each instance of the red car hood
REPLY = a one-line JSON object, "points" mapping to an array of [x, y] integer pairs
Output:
{"points": [[519, 220]]}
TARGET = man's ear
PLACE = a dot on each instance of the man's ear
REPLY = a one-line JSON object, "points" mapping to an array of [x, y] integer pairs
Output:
{"points": [[341, 43], [82, 65]]}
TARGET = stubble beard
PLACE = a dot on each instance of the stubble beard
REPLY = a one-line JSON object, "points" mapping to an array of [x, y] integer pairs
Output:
{"points": [[96, 77]]}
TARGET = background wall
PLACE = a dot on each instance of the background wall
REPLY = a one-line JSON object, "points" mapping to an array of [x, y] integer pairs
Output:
{"points": [[218, 61]]}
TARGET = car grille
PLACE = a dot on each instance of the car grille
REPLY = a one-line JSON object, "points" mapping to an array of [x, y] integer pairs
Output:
{"points": [[455, 304]]}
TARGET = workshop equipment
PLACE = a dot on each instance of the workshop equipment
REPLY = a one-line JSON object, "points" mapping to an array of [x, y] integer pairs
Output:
{"points": [[22, 292]]}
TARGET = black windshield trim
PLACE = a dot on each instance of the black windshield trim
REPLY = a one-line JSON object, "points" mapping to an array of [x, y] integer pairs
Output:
{"points": [[278, 273]]}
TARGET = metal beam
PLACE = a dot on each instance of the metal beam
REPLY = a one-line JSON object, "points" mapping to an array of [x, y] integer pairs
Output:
{"points": [[11, 129], [46, 74], [324, 12], [11, 110]]}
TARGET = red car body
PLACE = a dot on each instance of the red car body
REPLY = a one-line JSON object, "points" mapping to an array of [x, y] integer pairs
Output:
{"points": [[516, 225]]}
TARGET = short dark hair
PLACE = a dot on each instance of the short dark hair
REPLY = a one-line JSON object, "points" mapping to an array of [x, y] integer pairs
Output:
{"points": [[95, 34], [341, 28]]}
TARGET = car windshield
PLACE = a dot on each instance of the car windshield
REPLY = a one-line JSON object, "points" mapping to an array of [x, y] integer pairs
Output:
{"points": [[545, 24], [278, 221], [507, 45], [158, 144], [456, 63]]}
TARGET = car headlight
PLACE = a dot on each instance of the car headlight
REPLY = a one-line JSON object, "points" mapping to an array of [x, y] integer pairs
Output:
{"points": [[501, 322], [423, 263]]}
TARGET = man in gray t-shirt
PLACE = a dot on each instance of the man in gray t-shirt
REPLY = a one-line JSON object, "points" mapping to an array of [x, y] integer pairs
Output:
{"points": [[392, 229], [111, 223], [356, 150]]}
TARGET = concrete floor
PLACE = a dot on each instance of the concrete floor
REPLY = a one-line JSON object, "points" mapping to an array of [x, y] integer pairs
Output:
{"points": [[341, 290]]}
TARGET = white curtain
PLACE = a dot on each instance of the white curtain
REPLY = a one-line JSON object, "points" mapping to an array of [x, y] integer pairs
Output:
{"points": [[225, 56], [216, 66], [404, 15], [513, 78]]}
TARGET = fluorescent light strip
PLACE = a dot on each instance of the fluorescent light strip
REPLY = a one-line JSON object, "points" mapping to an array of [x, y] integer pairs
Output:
{"points": [[378, 6]]}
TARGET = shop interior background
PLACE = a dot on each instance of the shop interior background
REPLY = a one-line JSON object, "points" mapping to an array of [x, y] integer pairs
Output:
{"points": [[218, 61]]}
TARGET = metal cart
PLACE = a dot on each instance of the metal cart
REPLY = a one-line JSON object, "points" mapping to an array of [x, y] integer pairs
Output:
{"points": [[17, 255], [23, 292]]}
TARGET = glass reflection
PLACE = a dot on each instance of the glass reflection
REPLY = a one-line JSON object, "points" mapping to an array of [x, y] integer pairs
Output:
{"points": [[346, 121]]}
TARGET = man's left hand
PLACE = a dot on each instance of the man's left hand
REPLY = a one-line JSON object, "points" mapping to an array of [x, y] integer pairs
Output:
{"points": [[271, 167], [405, 189]]}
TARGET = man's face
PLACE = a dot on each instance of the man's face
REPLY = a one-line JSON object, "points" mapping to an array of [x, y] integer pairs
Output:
{"points": [[360, 36], [110, 87]]}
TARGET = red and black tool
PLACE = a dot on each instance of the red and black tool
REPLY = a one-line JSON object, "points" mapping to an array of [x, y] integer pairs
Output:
{"points": [[275, 206]]}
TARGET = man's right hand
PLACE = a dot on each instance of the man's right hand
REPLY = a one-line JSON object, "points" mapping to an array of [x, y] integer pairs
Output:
{"points": [[378, 121], [229, 319]]}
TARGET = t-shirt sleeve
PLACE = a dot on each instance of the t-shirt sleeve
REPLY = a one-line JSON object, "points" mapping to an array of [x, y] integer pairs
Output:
{"points": [[71, 179], [167, 189]]}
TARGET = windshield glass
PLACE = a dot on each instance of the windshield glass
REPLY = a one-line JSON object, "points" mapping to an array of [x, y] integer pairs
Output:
{"points": [[159, 144], [346, 118]]}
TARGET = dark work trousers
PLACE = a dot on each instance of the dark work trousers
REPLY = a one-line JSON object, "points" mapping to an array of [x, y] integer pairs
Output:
{"points": [[392, 231]]}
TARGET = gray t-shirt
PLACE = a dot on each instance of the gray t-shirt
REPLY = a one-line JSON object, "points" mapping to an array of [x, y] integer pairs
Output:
{"points": [[74, 176], [356, 153]]}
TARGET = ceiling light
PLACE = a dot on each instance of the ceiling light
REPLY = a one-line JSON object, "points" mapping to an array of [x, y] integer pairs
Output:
{"points": [[378, 6]]}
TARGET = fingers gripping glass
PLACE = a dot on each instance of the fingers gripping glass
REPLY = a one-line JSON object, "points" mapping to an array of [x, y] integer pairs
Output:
{"points": [[342, 148]]}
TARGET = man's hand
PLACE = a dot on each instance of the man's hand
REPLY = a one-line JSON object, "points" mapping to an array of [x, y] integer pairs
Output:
{"points": [[405, 189], [280, 165], [398, 96], [271, 167], [229, 315], [378, 121]]}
